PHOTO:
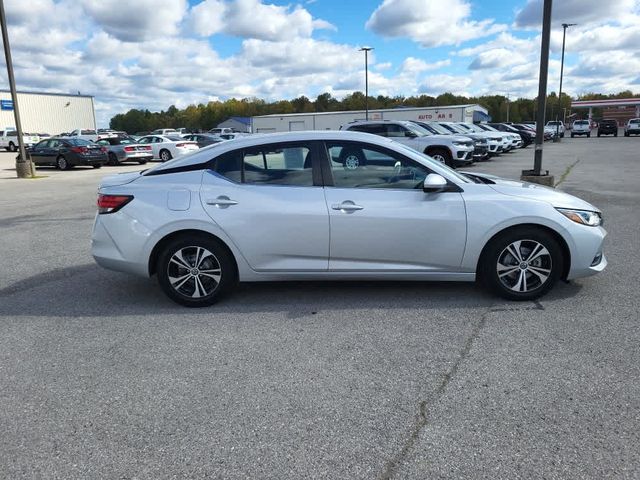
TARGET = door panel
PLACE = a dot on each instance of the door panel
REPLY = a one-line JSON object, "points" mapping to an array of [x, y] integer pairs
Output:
{"points": [[380, 218], [276, 224]]}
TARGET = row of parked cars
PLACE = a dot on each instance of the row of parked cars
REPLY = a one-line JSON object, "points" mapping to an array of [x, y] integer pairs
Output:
{"points": [[453, 143], [606, 126]]}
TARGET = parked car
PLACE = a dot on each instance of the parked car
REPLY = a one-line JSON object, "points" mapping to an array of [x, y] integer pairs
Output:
{"points": [[9, 139], [84, 134], [608, 126], [125, 149], [527, 136], [203, 139], [581, 127], [514, 139], [557, 127], [632, 127], [403, 217], [166, 147], [497, 143], [220, 131], [480, 144], [453, 151], [66, 153], [106, 133], [165, 131]]}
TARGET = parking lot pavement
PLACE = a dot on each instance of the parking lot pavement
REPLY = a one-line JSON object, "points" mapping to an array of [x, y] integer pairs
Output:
{"points": [[102, 376]]}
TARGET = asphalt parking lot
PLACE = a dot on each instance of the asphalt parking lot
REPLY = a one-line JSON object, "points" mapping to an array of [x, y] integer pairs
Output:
{"points": [[101, 376]]}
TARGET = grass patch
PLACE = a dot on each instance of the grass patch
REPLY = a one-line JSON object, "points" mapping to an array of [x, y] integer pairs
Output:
{"points": [[566, 173]]}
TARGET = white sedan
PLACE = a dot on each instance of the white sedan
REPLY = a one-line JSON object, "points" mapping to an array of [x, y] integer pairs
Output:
{"points": [[283, 206], [166, 147]]}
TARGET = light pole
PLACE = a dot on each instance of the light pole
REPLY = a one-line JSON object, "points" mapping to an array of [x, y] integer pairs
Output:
{"points": [[564, 36], [366, 51], [24, 166]]}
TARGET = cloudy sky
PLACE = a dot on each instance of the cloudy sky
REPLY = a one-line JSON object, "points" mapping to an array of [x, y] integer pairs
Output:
{"points": [[155, 53]]}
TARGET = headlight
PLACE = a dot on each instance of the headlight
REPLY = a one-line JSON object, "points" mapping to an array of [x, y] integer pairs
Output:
{"points": [[584, 217], [461, 144]]}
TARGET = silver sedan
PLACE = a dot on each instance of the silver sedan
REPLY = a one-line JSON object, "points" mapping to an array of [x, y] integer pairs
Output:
{"points": [[289, 207]]}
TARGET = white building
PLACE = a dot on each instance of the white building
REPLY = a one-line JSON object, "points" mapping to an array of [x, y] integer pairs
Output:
{"points": [[334, 120], [51, 113]]}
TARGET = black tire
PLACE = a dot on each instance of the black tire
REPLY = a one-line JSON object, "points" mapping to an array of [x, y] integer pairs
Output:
{"points": [[219, 259], [626, 134], [112, 159], [352, 159], [598, 133], [547, 265], [165, 155], [588, 135], [441, 155], [62, 163], [562, 135], [615, 134], [97, 165], [142, 162], [572, 135], [12, 147]]}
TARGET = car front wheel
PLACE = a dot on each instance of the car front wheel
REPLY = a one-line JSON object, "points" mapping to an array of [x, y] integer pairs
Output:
{"points": [[523, 264], [196, 271], [165, 155]]}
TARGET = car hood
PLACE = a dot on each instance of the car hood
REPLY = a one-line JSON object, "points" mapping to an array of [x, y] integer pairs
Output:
{"points": [[533, 191], [452, 138], [119, 179]]}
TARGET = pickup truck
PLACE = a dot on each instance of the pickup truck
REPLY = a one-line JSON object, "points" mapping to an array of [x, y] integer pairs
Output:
{"points": [[9, 139]]}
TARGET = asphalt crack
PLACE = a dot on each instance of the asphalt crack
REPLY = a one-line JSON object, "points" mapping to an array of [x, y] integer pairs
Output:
{"points": [[566, 173], [422, 419]]}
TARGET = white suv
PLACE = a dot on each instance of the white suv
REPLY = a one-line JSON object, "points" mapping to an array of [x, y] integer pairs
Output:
{"points": [[632, 127], [581, 127], [448, 149], [557, 126]]}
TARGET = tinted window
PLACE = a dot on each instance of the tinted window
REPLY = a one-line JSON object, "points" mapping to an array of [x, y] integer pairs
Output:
{"points": [[357, 166], [13, 133], [582, 122], [88, 132], [103, 142], [79, 141], [375, 129], [278, 165], [41, 144], [230, 165]]}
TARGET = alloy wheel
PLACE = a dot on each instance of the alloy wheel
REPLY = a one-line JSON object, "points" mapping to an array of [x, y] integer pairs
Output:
{"points": [[351, 162], [524, 266], [194, 272]]}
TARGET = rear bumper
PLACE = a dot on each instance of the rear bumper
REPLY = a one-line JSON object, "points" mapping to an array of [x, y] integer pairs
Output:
{"points": [[81, 160]]}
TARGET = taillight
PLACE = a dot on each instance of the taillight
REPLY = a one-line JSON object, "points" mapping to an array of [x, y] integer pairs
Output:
{"points": [[79, 149], [146, 147], [103, 149], [112, 203], [129, 149], [181, 145]]}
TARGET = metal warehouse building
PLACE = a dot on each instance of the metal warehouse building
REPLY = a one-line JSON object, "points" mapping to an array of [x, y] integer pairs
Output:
{"points": [[334, 120], [51, 113]]}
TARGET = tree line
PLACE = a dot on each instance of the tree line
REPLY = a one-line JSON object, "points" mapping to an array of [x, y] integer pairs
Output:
{"points": [[206, 116]]}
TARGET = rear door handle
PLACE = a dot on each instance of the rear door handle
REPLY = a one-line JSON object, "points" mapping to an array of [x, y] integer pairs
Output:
{"points": [[222, 202], [347, 206]]}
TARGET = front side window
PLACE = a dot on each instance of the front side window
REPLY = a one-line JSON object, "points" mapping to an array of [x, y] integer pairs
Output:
{"points": [[356, 165], [280, 164]]}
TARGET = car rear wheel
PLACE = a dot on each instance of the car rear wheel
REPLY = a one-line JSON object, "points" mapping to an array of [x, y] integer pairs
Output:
{"points": [[588, 135], [165, 155], [523, 264], [113, 160], [196, 270], [62, 163], [97, 165], [142, 162]]}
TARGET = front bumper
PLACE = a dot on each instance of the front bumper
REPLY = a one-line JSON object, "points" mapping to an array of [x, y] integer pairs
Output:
{"points": [[589, 243]]}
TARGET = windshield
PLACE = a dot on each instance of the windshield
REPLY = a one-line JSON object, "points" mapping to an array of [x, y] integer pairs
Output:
{"points": [[453, 128], [582, 122], [488, 128], [419, 130], [435, 128], [554, 123]]}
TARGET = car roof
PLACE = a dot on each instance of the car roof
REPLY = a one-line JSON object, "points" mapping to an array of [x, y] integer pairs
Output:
{"points": [[205, 154]]}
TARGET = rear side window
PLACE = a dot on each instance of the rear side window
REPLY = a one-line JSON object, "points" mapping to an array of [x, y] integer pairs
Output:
{"points": [[278, 164]]}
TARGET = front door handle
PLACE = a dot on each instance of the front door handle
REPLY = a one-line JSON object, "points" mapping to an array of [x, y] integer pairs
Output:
{"points": [[347, 206], [222, 202]]}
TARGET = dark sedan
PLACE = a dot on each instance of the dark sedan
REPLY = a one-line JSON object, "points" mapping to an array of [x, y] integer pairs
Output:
{"points": [[203, 139], [66, 153], [528, 137]]}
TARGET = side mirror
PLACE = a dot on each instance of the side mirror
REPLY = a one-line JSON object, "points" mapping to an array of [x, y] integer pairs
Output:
{"points": [[434, 183]]}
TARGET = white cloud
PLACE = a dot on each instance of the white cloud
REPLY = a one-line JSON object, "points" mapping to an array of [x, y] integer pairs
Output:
{"points": [[137, 20], [495, 58], [575, 11], [253, 19], [430, 23]]}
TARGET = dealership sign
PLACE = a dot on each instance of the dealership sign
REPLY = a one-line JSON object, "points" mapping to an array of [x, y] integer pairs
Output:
{"points": [[6, 104]]}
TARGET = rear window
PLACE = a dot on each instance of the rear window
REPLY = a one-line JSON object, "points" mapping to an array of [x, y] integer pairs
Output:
{"points": [[87, 132], [78, 141], [582, 122]]}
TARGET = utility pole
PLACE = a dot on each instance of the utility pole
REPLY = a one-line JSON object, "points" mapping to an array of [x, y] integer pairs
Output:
{"points": [[24, 166], [564, 36], [536, 175], [508, 104], [366, 51]]}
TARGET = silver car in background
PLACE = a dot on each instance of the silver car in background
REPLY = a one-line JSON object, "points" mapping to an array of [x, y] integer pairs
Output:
{"points": [[125, 149], [284, 206]]}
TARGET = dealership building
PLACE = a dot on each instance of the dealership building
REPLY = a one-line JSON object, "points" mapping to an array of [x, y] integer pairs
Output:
{"points": [[334, 120], [51, 113]]}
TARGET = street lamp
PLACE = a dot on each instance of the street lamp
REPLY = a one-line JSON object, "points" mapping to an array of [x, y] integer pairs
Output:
{"points": [[564, 35], [366, 51]]}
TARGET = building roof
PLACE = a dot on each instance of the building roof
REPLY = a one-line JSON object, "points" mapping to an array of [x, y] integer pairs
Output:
{"points": [[31, 92], [380, 110], [244, 120], [610, 102]]}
